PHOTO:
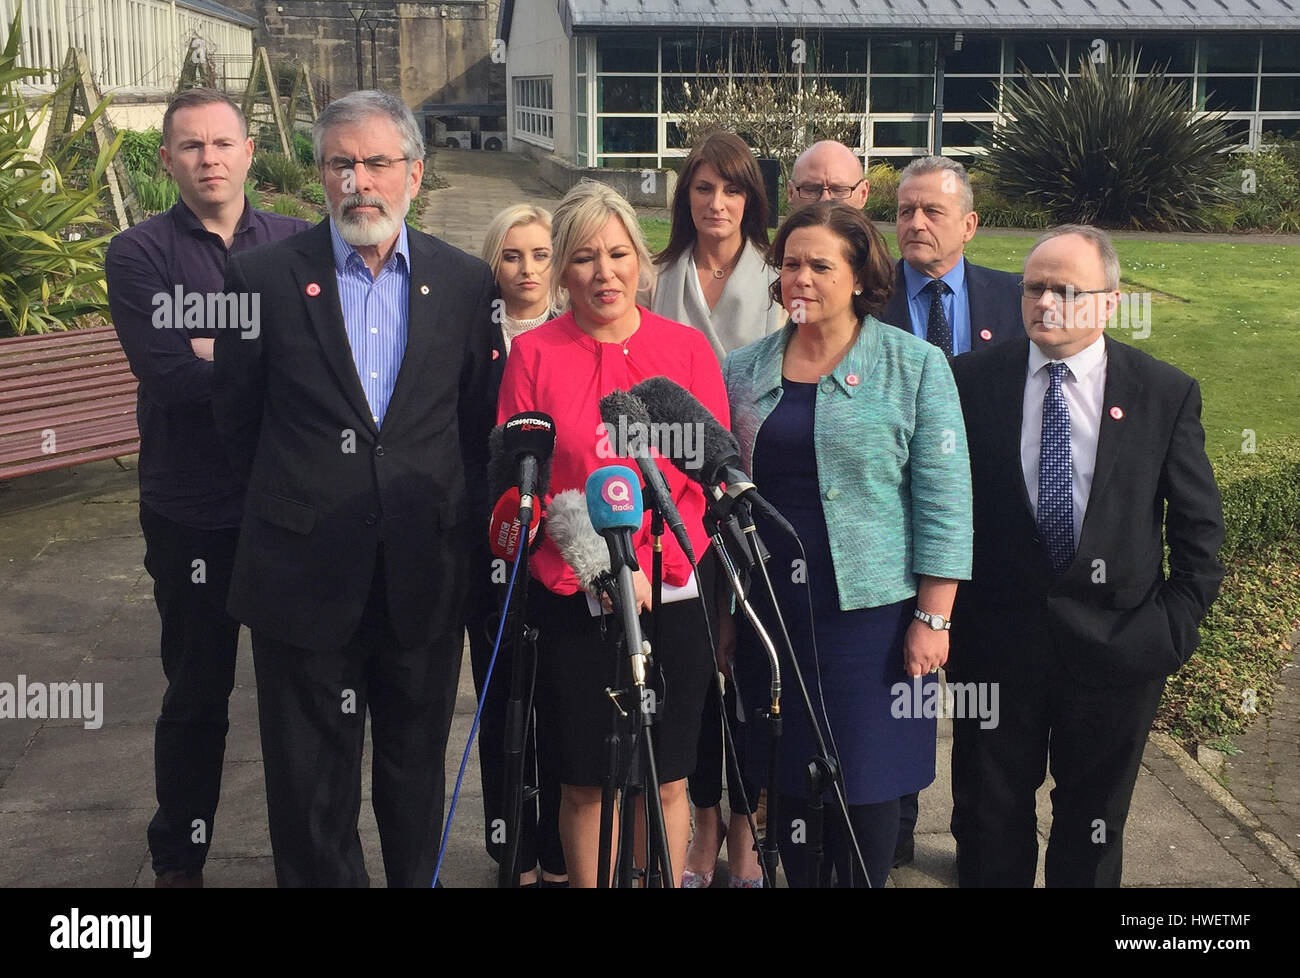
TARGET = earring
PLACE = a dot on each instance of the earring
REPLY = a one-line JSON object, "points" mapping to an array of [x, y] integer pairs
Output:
{"points": [[857, 292]]}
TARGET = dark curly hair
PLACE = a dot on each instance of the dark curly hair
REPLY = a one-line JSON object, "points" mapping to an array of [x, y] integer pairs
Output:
{"points": [[864, 249]]}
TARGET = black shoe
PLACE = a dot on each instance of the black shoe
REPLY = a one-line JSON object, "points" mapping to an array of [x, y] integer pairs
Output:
{"points": [[904, 851]]}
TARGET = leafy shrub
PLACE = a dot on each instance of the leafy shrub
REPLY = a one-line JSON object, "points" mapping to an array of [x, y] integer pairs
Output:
{"points": [[1264, 188], [994, 209], [139, 150], [52, 238], [292, 206], [302, 149], [154, 192], [280, 172], [1261, 496], [314, 193], [252, 193], [1111, 146]]}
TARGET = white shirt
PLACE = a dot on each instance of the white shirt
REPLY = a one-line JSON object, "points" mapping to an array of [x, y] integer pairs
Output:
{"points": [[1084, 388]]}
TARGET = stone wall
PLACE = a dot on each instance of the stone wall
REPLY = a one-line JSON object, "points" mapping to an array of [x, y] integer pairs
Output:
{"points": [[427, 52]]}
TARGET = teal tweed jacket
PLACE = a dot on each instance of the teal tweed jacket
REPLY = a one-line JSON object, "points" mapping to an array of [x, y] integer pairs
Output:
{"points": [[892, 466]]}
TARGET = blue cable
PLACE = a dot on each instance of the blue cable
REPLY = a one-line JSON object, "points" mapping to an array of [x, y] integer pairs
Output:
{"points": [[473, 730]]}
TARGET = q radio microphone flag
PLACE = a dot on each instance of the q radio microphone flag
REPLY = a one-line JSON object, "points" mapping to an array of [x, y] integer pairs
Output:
{"points": [[506, 528], [614, 505]]}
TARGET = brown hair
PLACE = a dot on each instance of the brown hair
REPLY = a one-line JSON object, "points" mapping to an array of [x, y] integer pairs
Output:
{"points": [[191, 97], [735, 163], [864, 249]]}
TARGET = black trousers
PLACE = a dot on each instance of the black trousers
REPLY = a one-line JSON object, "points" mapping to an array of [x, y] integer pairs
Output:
{"points": [[705, 785], [191, 574], [312, 709], [874, 826], [1092, 739], [539, 842]]}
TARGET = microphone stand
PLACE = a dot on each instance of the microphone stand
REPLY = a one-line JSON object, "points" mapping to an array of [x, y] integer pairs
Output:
{"points": [[519, 710], [824, 769]]}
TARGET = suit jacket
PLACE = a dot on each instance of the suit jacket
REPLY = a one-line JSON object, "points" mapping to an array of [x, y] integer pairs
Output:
{"points": [[325, 486], [1111, 617], [994, 305]]}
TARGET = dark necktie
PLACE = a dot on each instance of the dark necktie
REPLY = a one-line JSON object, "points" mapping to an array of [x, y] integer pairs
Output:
{"points": [[937, 330], [1056, 474]]}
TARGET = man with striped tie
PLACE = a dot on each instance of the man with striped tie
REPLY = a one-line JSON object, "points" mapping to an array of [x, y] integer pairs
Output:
{"points": [[1087, 457]]}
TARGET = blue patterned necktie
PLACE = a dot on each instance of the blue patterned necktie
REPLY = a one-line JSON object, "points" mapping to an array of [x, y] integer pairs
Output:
{"points": [[937, 330], [1056, 474]]}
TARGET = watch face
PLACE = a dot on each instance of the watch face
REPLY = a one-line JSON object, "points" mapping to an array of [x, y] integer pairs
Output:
{"points": [[936, 622]]}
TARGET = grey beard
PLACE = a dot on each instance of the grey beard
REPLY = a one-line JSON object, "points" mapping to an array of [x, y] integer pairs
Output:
{"points": [[363, 232]]}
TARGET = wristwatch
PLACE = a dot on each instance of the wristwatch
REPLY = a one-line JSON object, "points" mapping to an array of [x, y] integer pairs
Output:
{"points": [[938, 622]]}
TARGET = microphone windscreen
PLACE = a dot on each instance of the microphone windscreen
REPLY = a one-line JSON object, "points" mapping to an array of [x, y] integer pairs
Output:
{"points": [[504, 530], [627, 423], [614, 499], [529, 433], [502, 471], [668, 402], [569, 525]]}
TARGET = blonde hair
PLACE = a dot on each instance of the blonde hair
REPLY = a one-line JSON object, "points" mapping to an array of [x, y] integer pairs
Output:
{"points": [[515, 216], [584, 211]]}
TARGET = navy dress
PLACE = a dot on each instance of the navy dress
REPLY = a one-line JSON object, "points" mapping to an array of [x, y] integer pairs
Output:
{"points": [[860, 652]]}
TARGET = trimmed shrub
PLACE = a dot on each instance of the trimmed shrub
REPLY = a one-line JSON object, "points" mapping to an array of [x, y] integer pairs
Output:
{"points": [[279, 172], [1261, 496]]}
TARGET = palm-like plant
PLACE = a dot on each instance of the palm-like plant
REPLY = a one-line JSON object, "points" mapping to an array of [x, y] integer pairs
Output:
{"points": [[1110, 147], [51, 248]]}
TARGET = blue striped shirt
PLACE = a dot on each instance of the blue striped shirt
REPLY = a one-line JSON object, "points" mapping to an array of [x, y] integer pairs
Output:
{"points": [[375, 316]]}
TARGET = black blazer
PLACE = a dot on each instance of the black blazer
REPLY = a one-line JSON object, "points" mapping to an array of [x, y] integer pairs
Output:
{"points": [[994, 305], [325, 488], [1111, 617]]}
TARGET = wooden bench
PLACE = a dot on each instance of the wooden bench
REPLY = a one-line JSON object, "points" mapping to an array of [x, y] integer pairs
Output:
{"points": [[65, 399]]}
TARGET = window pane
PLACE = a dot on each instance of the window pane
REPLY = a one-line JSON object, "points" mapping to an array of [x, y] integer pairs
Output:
{"points": [[1185, 86], [581, 45], [1286, 128], [764, 52], [833, 53], [626, 95], [977, 56], [1171, 55], [1280, 54], [676, 98], [1231, 94], [908, 56], [902, 94], [675, 138], [628, 53], [629, 163], [1229, 54], [854, 90], [905, 134], [1035, 55], [627, 136], [1239, 128], [1280, 95], [582, 134], [970, 94], [962, 134], [698, 52]]}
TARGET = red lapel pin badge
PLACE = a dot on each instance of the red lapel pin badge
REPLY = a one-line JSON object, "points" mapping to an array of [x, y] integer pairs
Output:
{"points": [[496, 354], [986, 335], [851, 380], [1117, 413], [424, 290], [313, 289]]}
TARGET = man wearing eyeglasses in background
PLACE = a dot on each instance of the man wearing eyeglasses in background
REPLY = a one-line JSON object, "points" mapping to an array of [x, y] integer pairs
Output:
{"points": [[359, 417], [1087, 457], [827, 171]]}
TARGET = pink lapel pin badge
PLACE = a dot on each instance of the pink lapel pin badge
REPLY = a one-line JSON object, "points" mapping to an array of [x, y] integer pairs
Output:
{"points": [[424, 290], [496, 354], [312, 289], [1117, 413], [986, 335], [851, 380]]}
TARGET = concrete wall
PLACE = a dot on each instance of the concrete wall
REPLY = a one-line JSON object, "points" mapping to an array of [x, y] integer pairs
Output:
{"points": [[539, 48], [642, 188], [426, 52]]}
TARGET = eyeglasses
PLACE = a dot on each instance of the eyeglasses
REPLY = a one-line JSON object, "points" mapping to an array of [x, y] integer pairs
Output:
{"points": [[1060, 293], [377, 165], [814, 191]]}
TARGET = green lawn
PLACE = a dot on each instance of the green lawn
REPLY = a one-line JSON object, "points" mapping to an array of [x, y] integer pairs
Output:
{"points": [[1225, 313]]}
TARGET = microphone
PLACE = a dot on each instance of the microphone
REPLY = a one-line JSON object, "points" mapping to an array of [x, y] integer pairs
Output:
{"points": [[522, 458], [625, 413], [718, 463], [614, 505], [569, 526], [506, 528]]}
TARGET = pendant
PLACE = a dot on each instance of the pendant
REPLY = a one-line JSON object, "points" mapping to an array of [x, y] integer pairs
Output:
{"points": [[718, 272]]}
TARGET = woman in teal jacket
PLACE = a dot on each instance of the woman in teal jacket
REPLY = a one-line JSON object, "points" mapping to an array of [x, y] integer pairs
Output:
{"points": [[853, 430]]}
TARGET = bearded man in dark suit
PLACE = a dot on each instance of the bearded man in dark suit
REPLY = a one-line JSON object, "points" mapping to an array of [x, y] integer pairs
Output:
{"points": [[1087, 459], [359, 415]]}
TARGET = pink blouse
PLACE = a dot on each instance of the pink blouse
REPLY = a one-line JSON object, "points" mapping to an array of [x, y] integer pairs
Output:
{"points": [[559, 369]]}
